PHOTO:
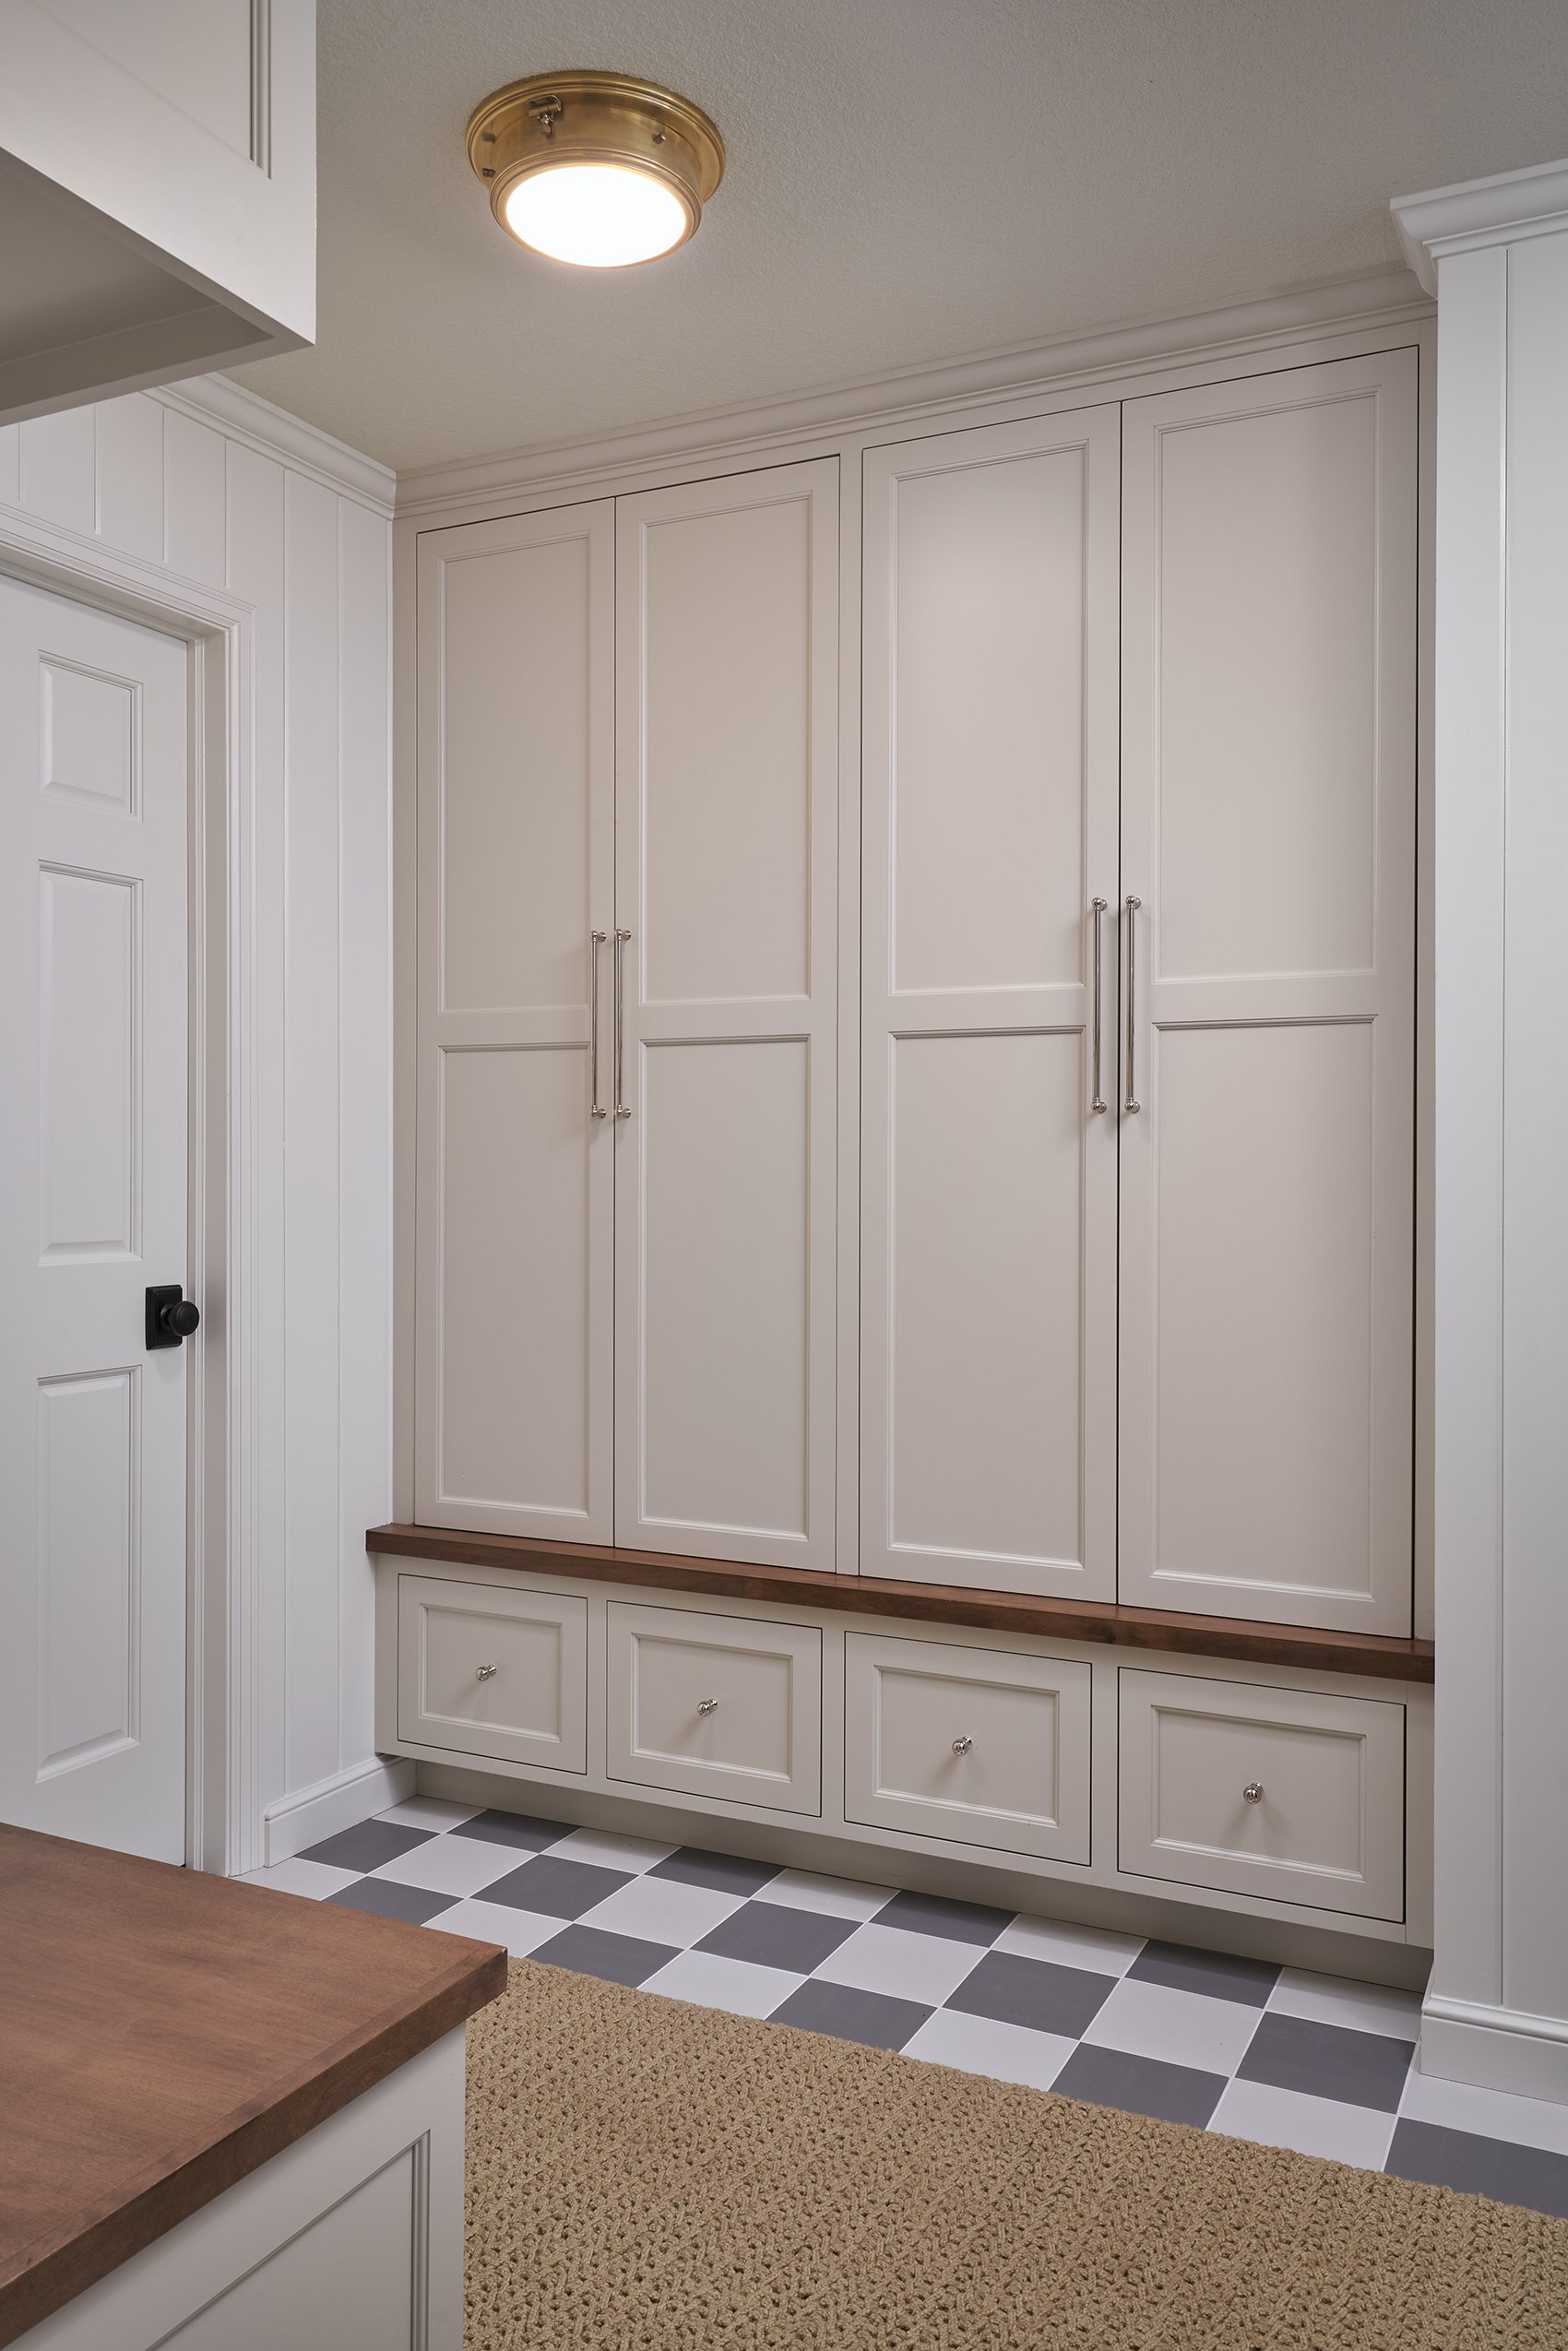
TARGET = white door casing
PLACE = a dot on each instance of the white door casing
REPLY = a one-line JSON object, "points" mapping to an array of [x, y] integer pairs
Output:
{"points": [[726, 890], [1268, 830], [514, 1298], [94, 788], [989, 1180]]}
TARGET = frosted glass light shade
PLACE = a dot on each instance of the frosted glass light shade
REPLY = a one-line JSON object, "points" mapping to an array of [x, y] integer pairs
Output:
{"points": [[600, 216]]}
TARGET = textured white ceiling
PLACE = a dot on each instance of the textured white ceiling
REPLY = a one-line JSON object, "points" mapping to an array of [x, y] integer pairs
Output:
{"points": [[909, 180]]}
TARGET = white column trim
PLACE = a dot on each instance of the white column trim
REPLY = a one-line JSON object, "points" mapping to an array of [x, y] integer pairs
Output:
{"points": [[1472, 213]]}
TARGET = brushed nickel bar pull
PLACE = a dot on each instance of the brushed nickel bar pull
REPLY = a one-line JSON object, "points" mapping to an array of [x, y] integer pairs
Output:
{"points": [[1131, 1102], [1097, 907], [596, 1107], [622, 1108]]}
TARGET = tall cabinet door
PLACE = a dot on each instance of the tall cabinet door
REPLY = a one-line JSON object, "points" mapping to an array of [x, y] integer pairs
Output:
{"points": [[1268, 834], [514, 1298], [726, 854], [989, 1167]]}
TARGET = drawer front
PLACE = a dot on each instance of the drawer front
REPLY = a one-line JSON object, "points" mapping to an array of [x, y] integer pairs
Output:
{"points": [[1289, 1794], [486, 1670], [976, 1745], [716, 1705]]}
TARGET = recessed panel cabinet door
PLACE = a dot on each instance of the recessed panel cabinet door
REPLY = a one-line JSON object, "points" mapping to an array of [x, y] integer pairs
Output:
{"points": [[989, 1165], [514, 1184], [724, 1064], [1267, 946]]}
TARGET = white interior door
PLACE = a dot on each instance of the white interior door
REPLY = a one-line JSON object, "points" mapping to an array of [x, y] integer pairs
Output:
{"points": [[515, 1183], [988, 1278], [94, 778], [1268, 830], [727, 857]]}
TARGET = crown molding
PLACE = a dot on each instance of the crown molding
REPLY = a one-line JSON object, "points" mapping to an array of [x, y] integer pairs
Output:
{"points": [[1384, 298], [244, 416], [1501, 210]]}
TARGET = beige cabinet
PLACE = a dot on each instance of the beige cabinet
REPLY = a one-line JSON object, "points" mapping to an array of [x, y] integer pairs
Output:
{"points": [[1294, 1795], [981, 1746], [626, 1164], [494, 1670], [720, 1707], [1268, 833], [988, 1180]]}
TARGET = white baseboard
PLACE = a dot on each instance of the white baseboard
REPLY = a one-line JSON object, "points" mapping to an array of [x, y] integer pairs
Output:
{"points": [[1496, 2048], [311, 1813]]}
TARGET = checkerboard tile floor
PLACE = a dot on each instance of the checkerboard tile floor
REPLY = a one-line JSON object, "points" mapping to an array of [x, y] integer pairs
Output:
{"points": [[1273, 2054]]}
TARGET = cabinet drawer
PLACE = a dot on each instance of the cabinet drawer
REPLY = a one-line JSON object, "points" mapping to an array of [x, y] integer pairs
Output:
{"points": [[977, 1745], [716, 1705], [1289, 1794], [487, 1671]]}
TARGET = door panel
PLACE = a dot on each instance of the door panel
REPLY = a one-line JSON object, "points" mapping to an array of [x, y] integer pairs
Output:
{"points": [[513, 1298], [726, 850], [1268, 830], [988, 1205], [94, 781]]}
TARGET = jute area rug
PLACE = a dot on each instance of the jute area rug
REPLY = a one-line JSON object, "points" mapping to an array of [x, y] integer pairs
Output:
{"points": [[645, 2176]]}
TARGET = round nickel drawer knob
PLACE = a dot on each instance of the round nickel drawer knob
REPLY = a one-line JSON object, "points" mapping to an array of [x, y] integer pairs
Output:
{"points": [[1253, 1792], [962, 1746]]}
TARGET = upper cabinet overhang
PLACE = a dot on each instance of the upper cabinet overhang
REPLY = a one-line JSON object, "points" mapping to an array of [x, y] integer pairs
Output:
{"points": [[157, 191]]}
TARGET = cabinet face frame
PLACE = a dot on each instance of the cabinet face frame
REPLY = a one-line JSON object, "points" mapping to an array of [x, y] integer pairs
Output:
{"points": [[1246, 1049], [547, 1045], [1011, 1042]]}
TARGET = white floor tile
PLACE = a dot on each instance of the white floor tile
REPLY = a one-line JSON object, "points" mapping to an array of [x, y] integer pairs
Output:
{"points": [[1335, 1999], [710, 1981], [520, 1931], [978, 2045], [1492, 2114], [1274, 2117], [909, 1966], [429, 1812], [834, 1897], [662, 1910], [452, 1865], [609, 1852], [1095, 1948], [316, 1879], [1184, 2028]]}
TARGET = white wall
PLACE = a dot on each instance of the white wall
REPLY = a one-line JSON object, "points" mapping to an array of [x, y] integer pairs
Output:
{"points": [[189, 483], [1497, 252]]}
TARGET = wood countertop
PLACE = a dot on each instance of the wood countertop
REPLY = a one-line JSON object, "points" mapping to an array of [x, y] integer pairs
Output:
{"points": [[1381, 1656], [164, 2033]]}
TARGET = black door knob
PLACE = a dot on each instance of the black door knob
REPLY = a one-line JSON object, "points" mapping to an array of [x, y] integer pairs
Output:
{"points": [[171, 1316]]}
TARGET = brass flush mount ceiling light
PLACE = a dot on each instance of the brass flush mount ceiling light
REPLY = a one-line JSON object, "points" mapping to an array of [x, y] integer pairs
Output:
{"points": [[595, 169]]}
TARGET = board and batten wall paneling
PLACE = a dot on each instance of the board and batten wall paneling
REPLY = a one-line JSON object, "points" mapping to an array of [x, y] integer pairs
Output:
{"points": [[988, 1263], [190, 483], [725, 848], [1268, 766]]}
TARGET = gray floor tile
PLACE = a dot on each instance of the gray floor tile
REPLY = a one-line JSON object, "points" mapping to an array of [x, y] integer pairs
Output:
{"points": [[556, 1888], [1140, 2085], [593, 1951], [726, 1872], [852, 2015], [514, 1828], [1327, 2062], [1219, 1974], [367, 1844], [773, 1935], [390, 1900], [1036, 1992], [1494, 2167], [933, 1914]]}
